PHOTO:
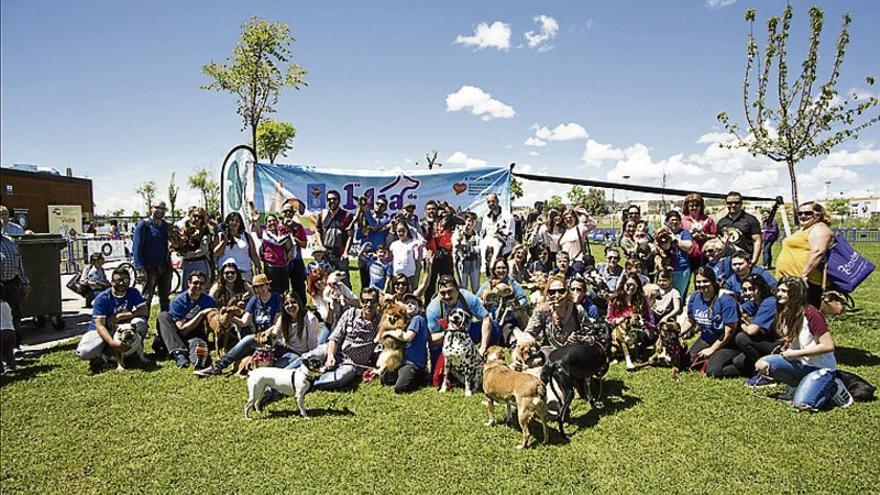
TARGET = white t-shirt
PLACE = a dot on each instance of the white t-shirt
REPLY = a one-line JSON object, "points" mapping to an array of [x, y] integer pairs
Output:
{"points": [[403, 256], [6, 322], [238, 253]]}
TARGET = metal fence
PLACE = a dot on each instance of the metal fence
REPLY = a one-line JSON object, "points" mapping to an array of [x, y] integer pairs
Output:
{"points": [[858, 235]]}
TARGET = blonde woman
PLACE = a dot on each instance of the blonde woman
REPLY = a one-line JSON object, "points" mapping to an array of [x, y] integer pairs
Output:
{"points": [[804, 251]]}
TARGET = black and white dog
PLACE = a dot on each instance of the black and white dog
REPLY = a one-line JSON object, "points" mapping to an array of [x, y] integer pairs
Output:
{"points": [[288, 382], [574, 367], [461, 357]]}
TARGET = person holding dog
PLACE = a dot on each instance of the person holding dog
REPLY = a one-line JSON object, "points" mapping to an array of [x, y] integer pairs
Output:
{"points": [[414, 372], [118, 304], [508, 314], [230, 289], [716, 316], [264, 308], [742, 227], [450, 296], [182, 327]]}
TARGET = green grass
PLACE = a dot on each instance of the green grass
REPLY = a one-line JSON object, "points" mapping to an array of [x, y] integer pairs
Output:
{"points": [[63, 430]]}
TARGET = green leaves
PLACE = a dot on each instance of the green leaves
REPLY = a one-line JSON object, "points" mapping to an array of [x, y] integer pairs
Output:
{"points": [[203, 181], [274, 138]]}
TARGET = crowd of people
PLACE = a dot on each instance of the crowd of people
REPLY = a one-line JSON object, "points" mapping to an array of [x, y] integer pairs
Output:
{"points": [[747, 322]]}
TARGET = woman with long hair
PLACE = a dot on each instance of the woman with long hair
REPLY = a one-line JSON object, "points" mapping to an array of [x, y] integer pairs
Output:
{"points": [[629, 299], [193, 241], [716, 316], [235, 244], [549, 233], [758, 337], [807, 363], [700, 225], [558, 321], [405, 253], [674, 243], [274, 250], [517, 266], [803, 251], [296, 332], [230, 289]]}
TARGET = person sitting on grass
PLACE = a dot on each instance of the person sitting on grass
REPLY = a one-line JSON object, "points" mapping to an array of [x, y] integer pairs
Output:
{"points": [[376, 265], [629, 300], [449, 297], [508, 314], [118, 304], [716, 316], [182, 327], [741, 264], [414, 372], [264, 308], [230, 289], [577, 286], [667, 307], [807, 363], [758, 337]]}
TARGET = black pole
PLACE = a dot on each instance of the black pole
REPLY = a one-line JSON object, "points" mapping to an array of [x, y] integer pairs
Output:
{"points": [[223, 174]]}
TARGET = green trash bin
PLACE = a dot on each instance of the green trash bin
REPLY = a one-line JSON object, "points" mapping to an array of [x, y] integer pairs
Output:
{"points": [[41, 255]]}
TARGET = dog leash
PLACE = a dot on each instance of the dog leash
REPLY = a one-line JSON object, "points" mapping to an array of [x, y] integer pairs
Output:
{"points": [[699, 364]]}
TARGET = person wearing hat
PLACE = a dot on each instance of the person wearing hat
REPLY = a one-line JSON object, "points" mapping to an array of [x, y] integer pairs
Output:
{"points": [[319, 253], [414, 372]]}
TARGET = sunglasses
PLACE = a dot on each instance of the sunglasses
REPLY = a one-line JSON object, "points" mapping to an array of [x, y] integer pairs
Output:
{"points": [[227, 274], [401, 284], [806, 213], [556, 292], [368, 301], [732, 203], [196, 283]]}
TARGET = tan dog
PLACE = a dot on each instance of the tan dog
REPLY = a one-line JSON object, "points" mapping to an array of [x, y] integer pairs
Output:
{"points": [[625, 338], [496, 292], [502, 384], [668, 350], [539, 281], [526, 356], [219, 324], [256, 360], [392, 326]]}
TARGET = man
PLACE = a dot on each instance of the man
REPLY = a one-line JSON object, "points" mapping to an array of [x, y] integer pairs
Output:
{"points": [[741, 228], [332, 225], [534, 215], [182, 326], [634, 215], [151, 257], [742, 267], [13, 278], [450, 297], [8, 226], [610, 270], [577, 286], [118, 304], [351, 345], [295, 266], [368, 232], [497, 222]]}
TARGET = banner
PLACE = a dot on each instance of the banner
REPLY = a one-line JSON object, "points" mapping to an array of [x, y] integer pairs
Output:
{"points": [[113, 250], [65, 220], [268, 186]]}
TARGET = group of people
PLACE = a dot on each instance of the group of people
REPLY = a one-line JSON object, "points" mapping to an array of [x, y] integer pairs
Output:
{"points": [[750, 323]]}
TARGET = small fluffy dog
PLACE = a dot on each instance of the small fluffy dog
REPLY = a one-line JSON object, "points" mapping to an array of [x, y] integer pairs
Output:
{"points": [[220, 325], [126, 334], [625, 338], [288, 382], [539, 281], [526, 392], [333, 295], [492, 246], [461, 357], [392, 326], [668, 351]]}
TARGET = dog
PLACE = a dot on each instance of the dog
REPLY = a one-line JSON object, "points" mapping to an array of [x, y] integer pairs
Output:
{"points": [[492, 247], [625, 338], [288, 382], [461, 357], [392, 326], [261, 358], [333, 296], [668, 351], [526, 392], [526, 355], [219, 324], [126, 334], [575, 367], [539, 281]]}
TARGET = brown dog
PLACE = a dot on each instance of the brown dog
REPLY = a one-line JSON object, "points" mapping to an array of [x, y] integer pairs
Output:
{"points": [[392, 326], [260, 358], [526, 356], [668, 350], [625, 338], [502, 384], [220, 324]]}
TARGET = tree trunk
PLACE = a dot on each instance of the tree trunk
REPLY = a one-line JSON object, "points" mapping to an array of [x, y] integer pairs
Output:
{"points": [[795, 204], [254, 140]]}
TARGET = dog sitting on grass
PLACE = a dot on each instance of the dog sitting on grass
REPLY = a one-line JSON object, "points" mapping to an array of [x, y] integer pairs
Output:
{"points": [[390, 333]]}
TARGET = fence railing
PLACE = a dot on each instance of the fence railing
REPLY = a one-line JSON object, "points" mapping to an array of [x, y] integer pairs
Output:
{"points": [[858, 235]]}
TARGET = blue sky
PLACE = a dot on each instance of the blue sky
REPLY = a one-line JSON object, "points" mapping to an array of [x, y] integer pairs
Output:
{"points": [[597, 89]]}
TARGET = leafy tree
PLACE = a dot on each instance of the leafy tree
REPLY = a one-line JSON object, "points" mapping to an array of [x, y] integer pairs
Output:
{"points": [[516, 189], [147, 191], [274, 138], [202, 180], [595, 202], [259, 67], [135, 214], [839, 206], [173, 189], [804, 124], [577, 195], [120, 212], [554, 201]]}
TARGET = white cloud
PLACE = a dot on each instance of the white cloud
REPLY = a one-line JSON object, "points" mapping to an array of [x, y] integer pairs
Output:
{"points": [[479, 102], [595, 153], [562, 132], [862, 94], [549, 29], [459, 158], [533, 153], [844, 158], [638, 164], [822, 174], [533, 141], [715, 137], [719, 4], [495, 35]]}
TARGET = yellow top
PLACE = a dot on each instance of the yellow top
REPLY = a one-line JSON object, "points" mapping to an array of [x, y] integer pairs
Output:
{"points": [[794, 255]]}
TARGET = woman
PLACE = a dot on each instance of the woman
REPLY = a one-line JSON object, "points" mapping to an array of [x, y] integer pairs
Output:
{"points": [[804, 251], [550, 232], [675, 243], [574, 241], [769, 236], [508, 314], [237, 245], [466, 249], [193, 242], [701, 226], [758, 337], [329, 310], [517, 267], [296, 268], [558, 321], [230, 289], [807, 361], [93, 278], [264, 307], [542, 262], [716, 316], [667, 307], [276, 245], [628, 300], [405, 253], [628, 241]]}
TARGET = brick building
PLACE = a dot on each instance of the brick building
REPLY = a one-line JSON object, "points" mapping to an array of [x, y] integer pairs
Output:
{"points": [[29, 193]]}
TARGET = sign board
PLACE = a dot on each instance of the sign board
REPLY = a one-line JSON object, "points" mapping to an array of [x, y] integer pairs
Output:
{"points": [[113, 250], [65, 220]]}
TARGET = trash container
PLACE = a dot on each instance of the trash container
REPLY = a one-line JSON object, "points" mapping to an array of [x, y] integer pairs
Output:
{"points": [[41, 255]]}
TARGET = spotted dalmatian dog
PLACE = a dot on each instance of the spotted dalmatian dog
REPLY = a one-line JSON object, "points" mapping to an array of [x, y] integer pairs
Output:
{"points": [[461, 357]]}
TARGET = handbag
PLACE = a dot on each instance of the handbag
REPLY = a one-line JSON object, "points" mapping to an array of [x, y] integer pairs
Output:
{"points": [[845, 268]]}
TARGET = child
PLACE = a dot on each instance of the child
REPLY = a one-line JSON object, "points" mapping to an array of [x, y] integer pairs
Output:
{"points": [[94, 278], [376, 264], [7, 334], [320, 261], [668, 306], [414, 372]]}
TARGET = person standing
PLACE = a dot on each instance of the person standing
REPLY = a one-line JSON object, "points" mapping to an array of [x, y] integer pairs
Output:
{"points": [[151, 256], [296, 267], [769, 236], [499, 224], [9, 227], [332, 225], [15, 282], [741, 228], [803, 251]]}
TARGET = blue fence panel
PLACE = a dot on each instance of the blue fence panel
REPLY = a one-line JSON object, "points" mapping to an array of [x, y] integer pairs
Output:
{"points": [[859, 235]]}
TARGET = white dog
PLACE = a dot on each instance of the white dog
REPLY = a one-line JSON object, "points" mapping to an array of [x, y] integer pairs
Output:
{"points": [[126, 334], [287, 382]]}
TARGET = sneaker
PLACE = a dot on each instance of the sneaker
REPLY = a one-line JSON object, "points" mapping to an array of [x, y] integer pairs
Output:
{"points": [[212, 370], [181, 359], [759, 380], [841, 397]]}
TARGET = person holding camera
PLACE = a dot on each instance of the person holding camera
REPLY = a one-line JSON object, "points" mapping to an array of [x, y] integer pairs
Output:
{"points": [[332, 225], [368, 233]]}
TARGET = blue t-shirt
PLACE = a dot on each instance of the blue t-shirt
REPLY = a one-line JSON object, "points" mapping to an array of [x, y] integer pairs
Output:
{"points": [[264, 313], [150, 244], [680, 261], [762, 314], [416, 352], [734, 284], [379, 271], [107, 305], [724, 312], [435, 308], [722, 269], [184, 309], [591, 309]]}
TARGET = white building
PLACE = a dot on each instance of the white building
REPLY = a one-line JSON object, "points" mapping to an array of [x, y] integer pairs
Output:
{"points": [[864, 207]]}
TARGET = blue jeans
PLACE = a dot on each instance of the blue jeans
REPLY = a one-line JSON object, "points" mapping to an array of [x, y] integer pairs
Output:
{"points": [[245, 347], [323, 333], [814, 386], [337, 378]]}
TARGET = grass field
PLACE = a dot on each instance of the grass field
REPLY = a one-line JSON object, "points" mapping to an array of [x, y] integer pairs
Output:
{"points": [[160, 430]]}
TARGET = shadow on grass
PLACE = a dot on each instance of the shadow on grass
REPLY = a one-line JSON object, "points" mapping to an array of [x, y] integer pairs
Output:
{"points": [[613, 400], [25, 373], [313, 413], [855, 357]]}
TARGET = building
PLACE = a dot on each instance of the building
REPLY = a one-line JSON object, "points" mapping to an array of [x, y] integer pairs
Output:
{"points": [[864, 207], [28, 191]]}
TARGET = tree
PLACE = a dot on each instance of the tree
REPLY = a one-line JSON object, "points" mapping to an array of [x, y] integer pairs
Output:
{"points": [[172, 196], [119, 212], [803, 125], [274, 138], [256, 71], [202, 180], [839, 206], [595, 203], [554, 201], [147, 191], [516, 190]]}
